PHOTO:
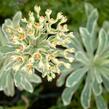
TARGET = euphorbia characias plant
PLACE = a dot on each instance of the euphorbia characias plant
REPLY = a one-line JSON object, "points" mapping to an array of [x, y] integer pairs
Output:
{"points": [[91, 65], [45, 44], [34, 43]]}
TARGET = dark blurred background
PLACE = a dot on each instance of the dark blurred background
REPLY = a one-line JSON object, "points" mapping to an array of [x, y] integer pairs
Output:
{"points": [[73, 9], [47, 95]]}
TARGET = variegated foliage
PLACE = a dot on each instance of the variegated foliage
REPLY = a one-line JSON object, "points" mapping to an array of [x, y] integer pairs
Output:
{"points": [[9, 78], [37, 42], [91, 63]]}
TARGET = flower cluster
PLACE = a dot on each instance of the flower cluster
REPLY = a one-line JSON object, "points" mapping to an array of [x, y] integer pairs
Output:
{"points": [[40, 42]]}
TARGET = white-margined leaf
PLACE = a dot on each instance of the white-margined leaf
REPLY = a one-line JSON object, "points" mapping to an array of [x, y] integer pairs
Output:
{"points": [[3, 40], [76, 43], [65, 72], [68, 93], [88, 9], [6, 49], [86, 94], [97, 88], [100, 102], [17, 18], [17, 80], [105, 77], [75, 77], [85, 35], [61, 80], [97, 73], [92, 20], [34, 78], [103, 42], [27, 85], [92, 15], [106, 26], [3, 75], [9, 90], [106, 83], [81, 57]]}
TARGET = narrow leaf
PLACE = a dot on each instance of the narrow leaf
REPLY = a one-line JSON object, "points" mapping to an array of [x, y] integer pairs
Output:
{"points": [[3, 76], [92, 21], [105, 81], [102, 42], [97, 89], [75, 77], [17, 80], [27, 85], [86, 94], [6, 49], [100, 102], [81, 57], [68, 93], [88, 8], [34, 78], [86, 39], [106, 26], [17, 18], [9, 90], [3, 39], [61, 80]]}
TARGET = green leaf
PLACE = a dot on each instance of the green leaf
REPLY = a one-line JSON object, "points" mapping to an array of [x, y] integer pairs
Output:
{"points": [[8, 22], [27, 85], [97, 89], [18, 79], [92, 21], [23, 80], [103, 41], [105, 77], [61, 80], [3, 75], [34, 78], [17, 18], [105, 55], [81, 57], [6, 49], [75, 77], [68, 93], [65, 72], [97, 72], [9, 90], [91, 26], [4, 28], [86, 94], [76, 43], [3, 40], [85, 35], [100, 102], [106, 26], [88, 9]]}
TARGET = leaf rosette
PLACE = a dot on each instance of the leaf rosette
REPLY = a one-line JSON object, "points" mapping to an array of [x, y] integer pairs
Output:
{"points": [[91, 63]]}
